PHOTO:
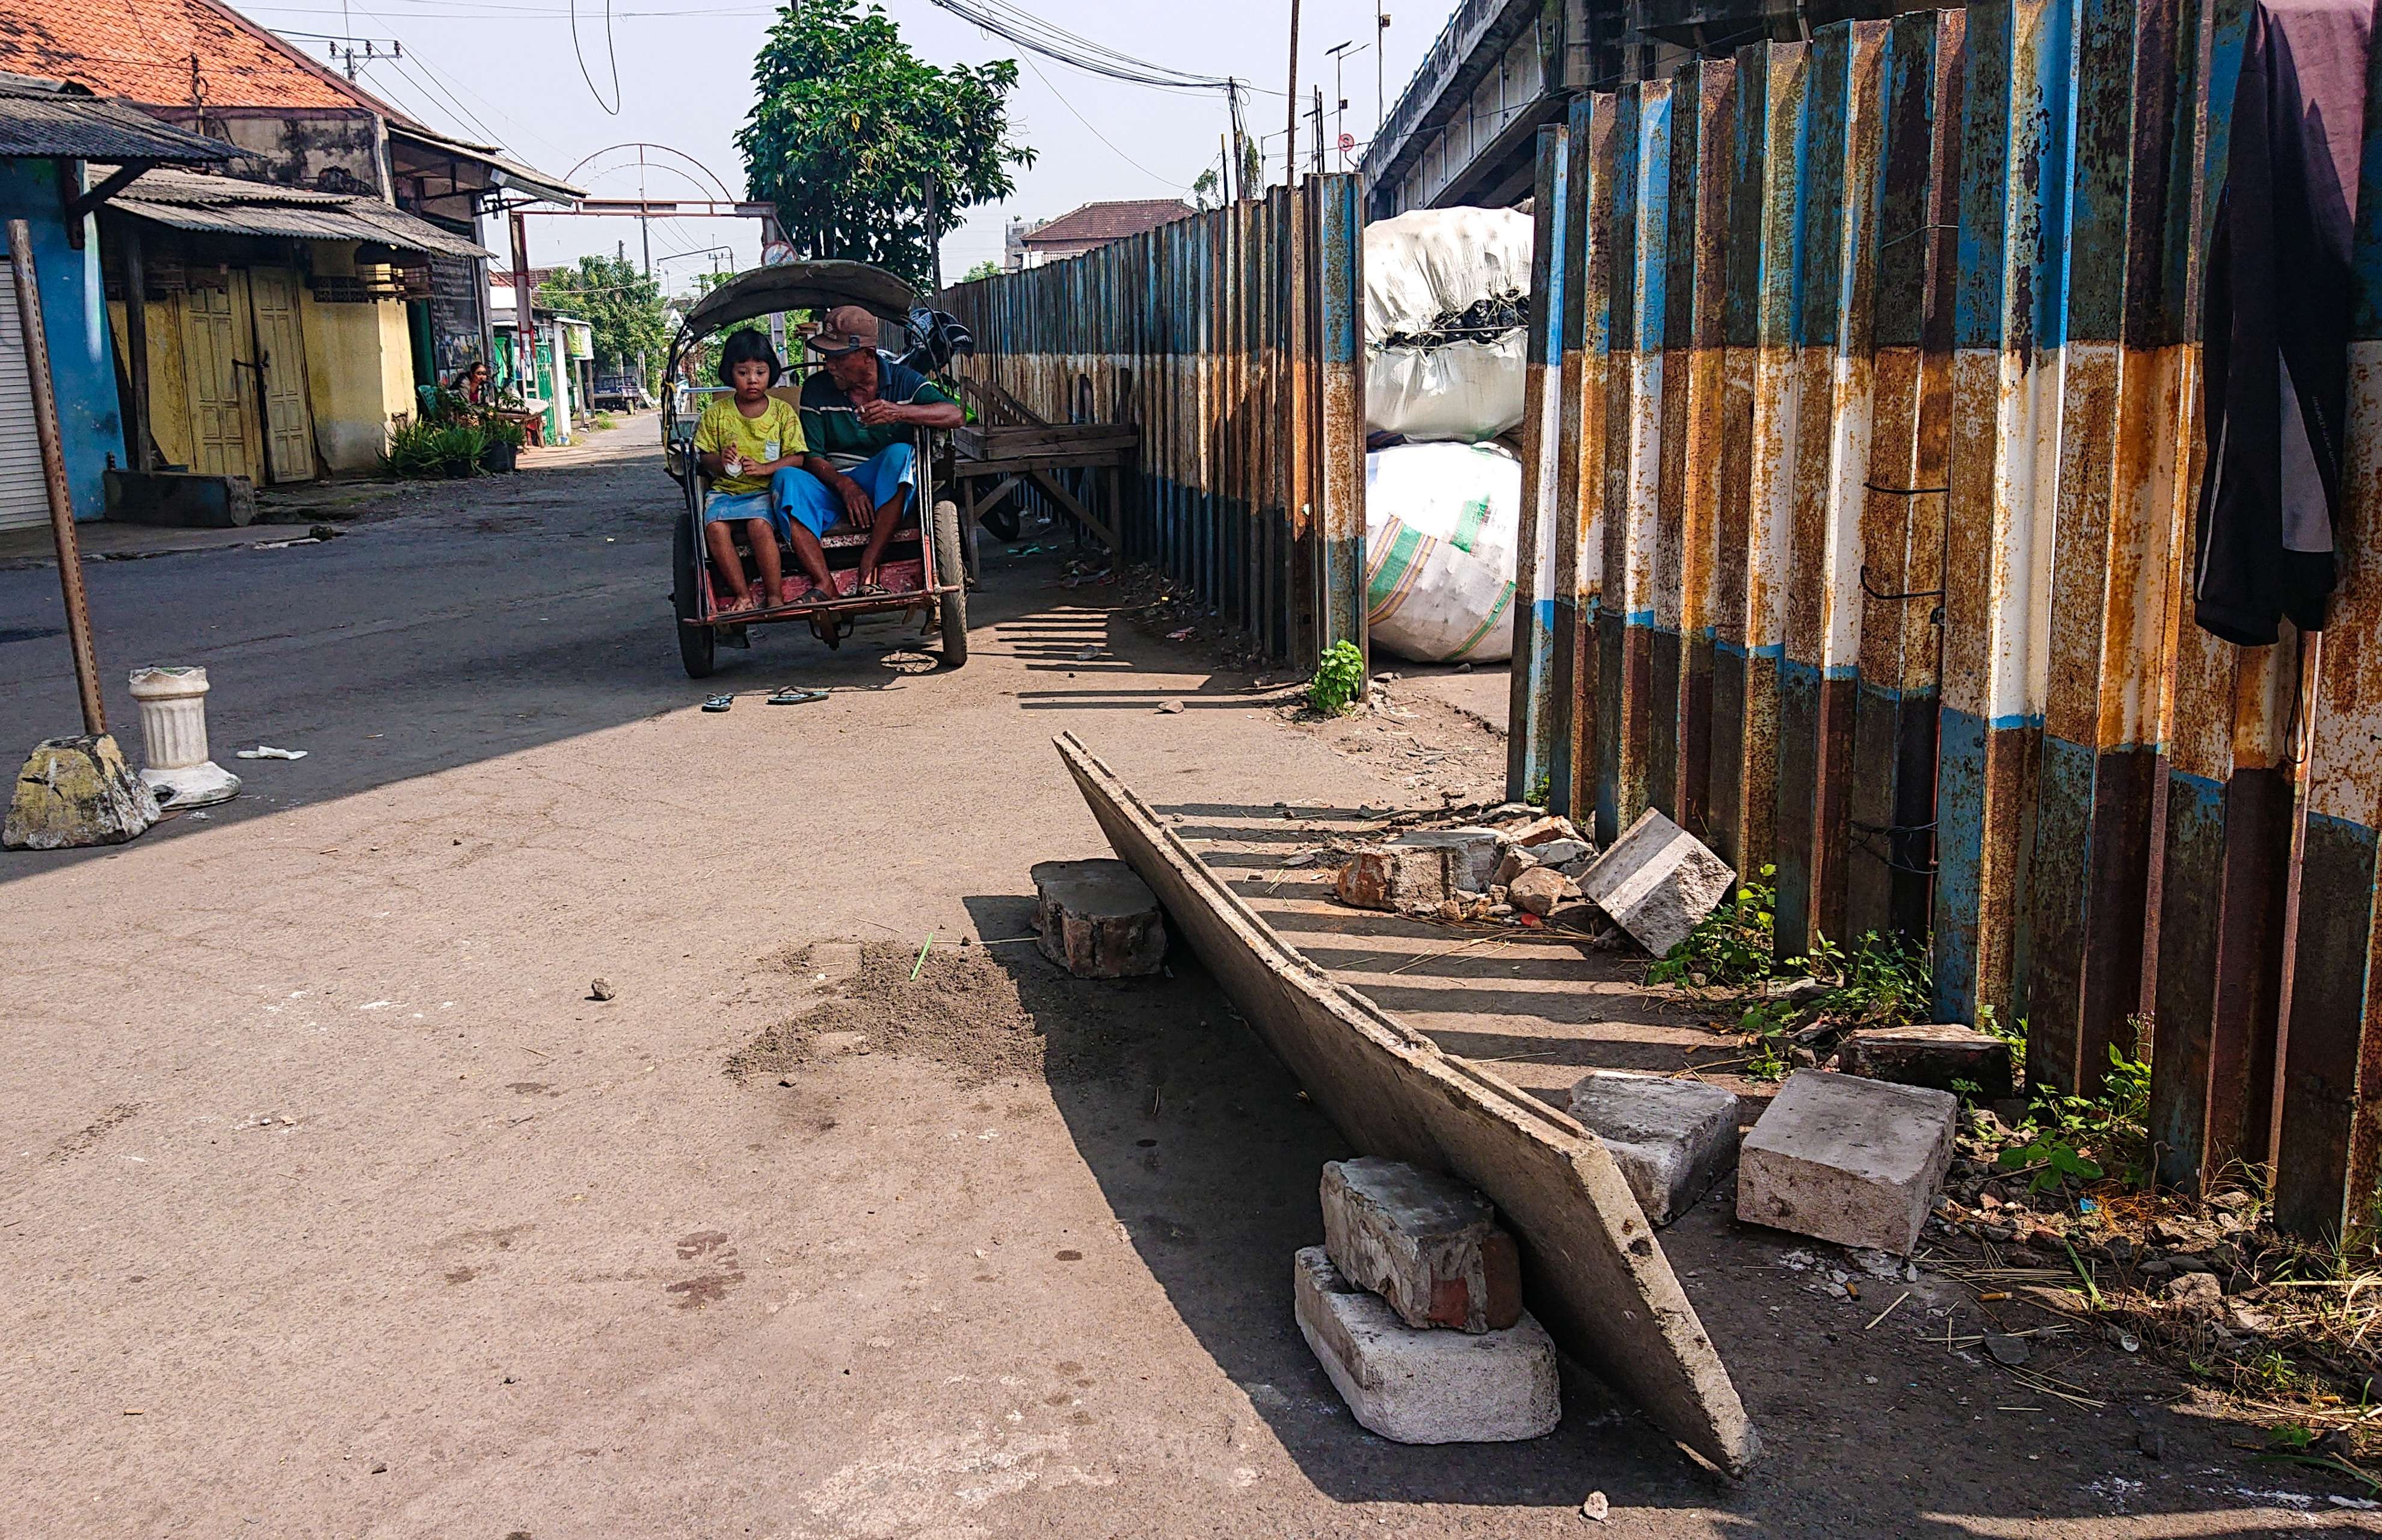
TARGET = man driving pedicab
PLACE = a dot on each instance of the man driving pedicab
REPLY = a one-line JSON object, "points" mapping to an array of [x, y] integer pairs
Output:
{"points": [[858, 414]]}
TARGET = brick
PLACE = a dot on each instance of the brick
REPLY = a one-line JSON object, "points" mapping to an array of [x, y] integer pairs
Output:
{"points": [[1935, 1054], [1539, 889], [1427, 1243], [1476, 851], [1672, 1137], [1400, 877], [1847, 1160], [1541, 829], [1656, 882], [1097, 919], [1425, 1387]]}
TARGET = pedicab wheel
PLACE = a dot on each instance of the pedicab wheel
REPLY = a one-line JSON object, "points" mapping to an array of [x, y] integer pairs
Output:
{"points": [[696, 644], [951, 572]]}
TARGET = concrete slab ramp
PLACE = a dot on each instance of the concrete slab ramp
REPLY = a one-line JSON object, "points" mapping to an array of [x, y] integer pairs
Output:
{"points": [[1593, 1271]]}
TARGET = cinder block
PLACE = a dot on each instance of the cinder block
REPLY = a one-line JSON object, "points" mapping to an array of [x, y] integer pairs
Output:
{"points": [[1934, 1054], [1476, 850], [1427, 1243], [1401, 877], [1656, 882], [1425, 1387], [1672, 1137], [1097, 919], [1847, 1160]]}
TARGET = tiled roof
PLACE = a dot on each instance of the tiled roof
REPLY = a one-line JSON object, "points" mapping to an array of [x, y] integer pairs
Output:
{"points": [[63, 122], [1105, 222], [157, 52]]}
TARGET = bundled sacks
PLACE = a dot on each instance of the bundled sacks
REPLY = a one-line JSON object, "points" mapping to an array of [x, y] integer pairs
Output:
{"points": [[1441, 525], [1447, 313]]}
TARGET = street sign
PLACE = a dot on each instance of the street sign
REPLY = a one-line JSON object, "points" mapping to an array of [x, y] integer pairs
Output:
{"points": [[1347, 144], [777, 253]]}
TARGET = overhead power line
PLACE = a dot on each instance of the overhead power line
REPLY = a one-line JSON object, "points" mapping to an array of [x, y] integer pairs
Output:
{"points": [[1053, 41]]}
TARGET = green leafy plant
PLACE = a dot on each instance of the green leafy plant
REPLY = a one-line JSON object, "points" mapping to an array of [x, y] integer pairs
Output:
{"points": [[1338, 678], [2067, 1138], [501, 429], [603, 422], [432, 449], [1733, 945]]}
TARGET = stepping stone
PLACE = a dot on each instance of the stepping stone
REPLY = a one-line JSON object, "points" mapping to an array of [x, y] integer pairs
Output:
{"points": [[1097, 919], [1425, 1387], [1844, 1159], [1427, 1243], [1672, 1137], [1656, 882], [1934, 1054]]}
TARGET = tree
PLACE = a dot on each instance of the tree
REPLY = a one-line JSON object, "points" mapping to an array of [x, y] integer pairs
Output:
{"points": [[1207, 192], [850, 127], [622, 306], [988, 268]]}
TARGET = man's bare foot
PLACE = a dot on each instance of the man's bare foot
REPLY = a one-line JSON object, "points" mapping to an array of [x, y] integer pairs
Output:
{"points": [[775, 600], [737, 603]]}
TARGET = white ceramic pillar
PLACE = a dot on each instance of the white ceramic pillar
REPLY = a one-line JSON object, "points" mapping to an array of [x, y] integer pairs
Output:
{"points": [[173, 703]]}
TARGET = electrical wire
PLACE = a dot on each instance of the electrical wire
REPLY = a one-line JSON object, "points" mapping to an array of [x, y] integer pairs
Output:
{"points": [[612, 51], [1029, 31], [1101, 136]]}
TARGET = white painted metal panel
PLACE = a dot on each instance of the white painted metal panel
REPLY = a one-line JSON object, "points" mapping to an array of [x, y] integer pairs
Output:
{"points": [[24, 490]]}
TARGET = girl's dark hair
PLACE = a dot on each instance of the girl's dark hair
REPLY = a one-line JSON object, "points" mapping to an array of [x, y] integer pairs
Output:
{"points": [[747, 347]]}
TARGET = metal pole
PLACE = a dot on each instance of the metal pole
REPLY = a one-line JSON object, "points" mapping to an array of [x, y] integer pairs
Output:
{"points": [[1318, 130], [644, 221], [934, 233], [136, 341], [54, 468], [524, 339], [1380, 46], [1290, 136]]}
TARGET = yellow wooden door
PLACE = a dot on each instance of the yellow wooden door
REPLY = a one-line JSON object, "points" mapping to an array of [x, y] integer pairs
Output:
{"points": [[216, 394], [281, 368]]}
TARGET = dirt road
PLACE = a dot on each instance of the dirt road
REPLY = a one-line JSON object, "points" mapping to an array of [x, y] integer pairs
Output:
{"points": [[336, 1207]]}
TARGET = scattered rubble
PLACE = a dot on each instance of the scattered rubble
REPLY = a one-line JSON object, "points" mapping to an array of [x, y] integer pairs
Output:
{"points": [[1422, 1386], [1847, 1160], [1097, 919], [1539, 890], [1427, 1243], [1672, 1138], [1476, 851], [1399, 878]]}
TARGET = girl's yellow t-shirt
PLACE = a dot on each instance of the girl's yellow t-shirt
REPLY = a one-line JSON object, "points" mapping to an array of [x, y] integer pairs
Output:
{"points": [[774, 434]]}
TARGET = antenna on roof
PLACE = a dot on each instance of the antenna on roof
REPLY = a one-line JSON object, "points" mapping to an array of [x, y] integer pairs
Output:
{"points": [[350, 57]]}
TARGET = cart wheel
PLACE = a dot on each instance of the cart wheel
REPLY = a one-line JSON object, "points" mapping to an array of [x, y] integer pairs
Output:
{"points": [[950, 571], [696, 644]]}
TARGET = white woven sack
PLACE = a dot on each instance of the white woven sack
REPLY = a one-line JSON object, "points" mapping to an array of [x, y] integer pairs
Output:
{"points": [[1462, 392], [1441, 523]]}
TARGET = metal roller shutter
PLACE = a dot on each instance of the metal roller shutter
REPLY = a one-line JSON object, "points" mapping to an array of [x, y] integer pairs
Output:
{"points": [[24, 490]]}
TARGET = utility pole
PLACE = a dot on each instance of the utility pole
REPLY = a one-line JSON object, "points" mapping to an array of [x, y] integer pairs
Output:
{"points": [[644, 221], [934, 234], [1340, 94], [1290, 135], [1381, 47], [1318, 130]]}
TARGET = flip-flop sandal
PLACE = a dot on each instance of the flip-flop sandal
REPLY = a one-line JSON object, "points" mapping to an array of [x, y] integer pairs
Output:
{"points": [[716, 703], [796, 696], [871, 590]]}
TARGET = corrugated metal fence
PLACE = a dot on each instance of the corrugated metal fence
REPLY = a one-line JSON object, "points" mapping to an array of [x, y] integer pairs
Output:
{"points": [[1865, 415], [1232, 339]]}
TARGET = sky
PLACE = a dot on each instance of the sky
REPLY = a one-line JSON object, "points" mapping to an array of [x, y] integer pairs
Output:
{"points": [[506, 72]]}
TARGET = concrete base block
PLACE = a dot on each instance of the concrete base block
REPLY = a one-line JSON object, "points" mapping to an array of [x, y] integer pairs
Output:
{"points": [[1427, 1243], [1656, 882], [1425, 1387], [1672, 1139], [77, 791], [1097, 919], [1844, 1159], [1477, 851], [1935, 1054]]}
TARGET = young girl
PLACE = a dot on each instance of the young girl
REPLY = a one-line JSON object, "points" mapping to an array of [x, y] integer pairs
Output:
{"points": [[746, 443]]}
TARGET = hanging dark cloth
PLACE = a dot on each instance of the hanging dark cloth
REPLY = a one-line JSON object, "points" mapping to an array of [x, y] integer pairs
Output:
{"points": [[2276, 331]]}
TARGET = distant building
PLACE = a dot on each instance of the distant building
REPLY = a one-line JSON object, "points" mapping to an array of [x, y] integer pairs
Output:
{"points": [[1012, 243], [1094, 226]]}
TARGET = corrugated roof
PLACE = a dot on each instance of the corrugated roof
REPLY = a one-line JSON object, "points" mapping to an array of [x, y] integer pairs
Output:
{"points": [[224, 205], [508, 171], [1110, 221], [57, 121]]}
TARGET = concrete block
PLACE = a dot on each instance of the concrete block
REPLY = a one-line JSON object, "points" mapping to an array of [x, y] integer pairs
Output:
{"points": [[1656, 882], [1672, 1137], [1539, 889], [77, 791], [1935, 1054], [1561, 853], [1847, 1160], [1539, 831], [1401, 877], [1476, 850], [1097, 919], [1516, 860], [1427, 1243], [1425, 1387]]}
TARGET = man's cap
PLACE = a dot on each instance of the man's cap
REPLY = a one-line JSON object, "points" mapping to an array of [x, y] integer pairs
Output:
{"points": [[844, 329]]}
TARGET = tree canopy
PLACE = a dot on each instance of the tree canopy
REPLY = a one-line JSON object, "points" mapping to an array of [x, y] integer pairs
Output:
{"points": [[849, 126], [622, 306]]}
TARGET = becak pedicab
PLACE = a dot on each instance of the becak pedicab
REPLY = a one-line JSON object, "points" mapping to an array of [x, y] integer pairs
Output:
{"points": [[922, 563]]}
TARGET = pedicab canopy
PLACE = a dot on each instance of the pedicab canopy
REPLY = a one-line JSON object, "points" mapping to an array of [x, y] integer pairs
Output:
{"points": [[800, 286]]}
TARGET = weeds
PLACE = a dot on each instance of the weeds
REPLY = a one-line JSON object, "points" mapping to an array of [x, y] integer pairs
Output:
{"points": [[1732, 947], [1338, 678], [2067, 1140], [433, 448]]}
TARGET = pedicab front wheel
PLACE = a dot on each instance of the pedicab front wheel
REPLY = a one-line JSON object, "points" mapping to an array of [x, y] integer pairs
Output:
{"points": [[950, 575], [697, 644]]}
